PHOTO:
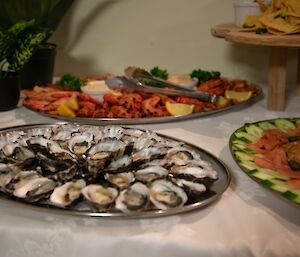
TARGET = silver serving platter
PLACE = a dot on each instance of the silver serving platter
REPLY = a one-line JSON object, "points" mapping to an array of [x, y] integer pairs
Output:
{"points": [[136, 121], [215, 192]]}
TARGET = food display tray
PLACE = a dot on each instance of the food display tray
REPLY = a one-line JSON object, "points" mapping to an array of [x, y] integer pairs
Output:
{"points": [[215, 191], [152, 120], [268, 178]]}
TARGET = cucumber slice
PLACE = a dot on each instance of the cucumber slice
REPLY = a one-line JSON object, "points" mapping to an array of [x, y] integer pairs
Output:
{"points": [[265, 125], [242, 157], [249, 166], [262, 175], [255, 131], [245, 137], [284, 124], [280, 187], [291, 195], [238, 145]]}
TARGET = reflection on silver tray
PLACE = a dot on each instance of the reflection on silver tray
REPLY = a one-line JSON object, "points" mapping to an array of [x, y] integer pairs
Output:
{"points": [[121, 121], [214, 192]]}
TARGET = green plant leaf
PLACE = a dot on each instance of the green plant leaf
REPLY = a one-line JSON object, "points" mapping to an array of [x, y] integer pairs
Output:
{"points": [[25, 51]]}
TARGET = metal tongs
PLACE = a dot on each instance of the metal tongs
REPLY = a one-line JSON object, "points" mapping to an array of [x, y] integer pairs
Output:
{"points": [[131, 83]]}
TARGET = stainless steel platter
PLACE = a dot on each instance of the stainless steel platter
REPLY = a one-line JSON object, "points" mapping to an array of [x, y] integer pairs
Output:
{"points": [[121, 121], [209, 163]]}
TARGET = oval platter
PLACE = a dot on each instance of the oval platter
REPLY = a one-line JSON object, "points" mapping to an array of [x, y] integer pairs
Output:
{"points": [[151, 120], [82, 207], [259, 164]]}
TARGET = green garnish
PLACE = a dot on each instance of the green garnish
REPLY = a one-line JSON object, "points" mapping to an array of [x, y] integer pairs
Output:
{"points": [[158, 73], [203, 75], [261, 31], [71, 82]]}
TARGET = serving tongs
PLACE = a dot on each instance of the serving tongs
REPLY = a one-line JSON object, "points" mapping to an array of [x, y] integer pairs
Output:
{"points": [[139, 73], [130, 84]]}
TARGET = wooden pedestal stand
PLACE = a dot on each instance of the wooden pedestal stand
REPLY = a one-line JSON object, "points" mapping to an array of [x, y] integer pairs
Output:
{"points": [[277, 63]]}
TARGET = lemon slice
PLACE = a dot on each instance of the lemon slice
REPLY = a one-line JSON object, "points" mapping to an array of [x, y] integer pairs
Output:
{"points": [[73, 103], [177, 109], [238, 96], [222, 102], [64, 110]]}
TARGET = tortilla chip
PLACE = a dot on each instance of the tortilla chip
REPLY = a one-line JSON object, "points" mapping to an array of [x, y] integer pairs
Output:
{"points": [[252, 22], [293, 6], [282, 17]]}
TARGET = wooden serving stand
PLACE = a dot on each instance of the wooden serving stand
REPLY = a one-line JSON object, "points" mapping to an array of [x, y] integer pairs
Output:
{"points": [[277, 63]]}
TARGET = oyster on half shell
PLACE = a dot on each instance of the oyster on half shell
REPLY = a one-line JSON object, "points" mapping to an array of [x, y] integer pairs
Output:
{"points": [[67, 193], [164, 195], [99, 196], [121, 180], [34, 189], [150, 173], [134, 198]]}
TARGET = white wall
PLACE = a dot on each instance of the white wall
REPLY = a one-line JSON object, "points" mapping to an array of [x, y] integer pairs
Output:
{"points": [[98, 36]]}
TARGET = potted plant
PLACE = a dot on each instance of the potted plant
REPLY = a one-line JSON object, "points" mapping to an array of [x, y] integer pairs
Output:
{"points": [[17, 45], [47, 15]]}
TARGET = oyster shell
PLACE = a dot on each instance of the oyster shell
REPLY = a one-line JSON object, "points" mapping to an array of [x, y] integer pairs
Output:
{"points": [[150, 173], [101, 197], [194, 171], [56, 169], [164, 195], [79, 144], [67, 193], [16, 152], [6, 176], [134, 198], [121, 180], [100, 155], [112, 132], [180, 156], [119, 164], [191, 188], [146, 154], [34, 188]]}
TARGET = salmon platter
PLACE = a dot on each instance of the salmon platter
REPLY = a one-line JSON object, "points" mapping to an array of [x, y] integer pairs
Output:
{"points": [[269, 152], [106, 171]]}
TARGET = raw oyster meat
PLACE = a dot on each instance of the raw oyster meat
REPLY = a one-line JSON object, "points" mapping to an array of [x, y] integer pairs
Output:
{"points": [[164, 195], [100, 196], [134, 198], [67, 193], [102, 169]]}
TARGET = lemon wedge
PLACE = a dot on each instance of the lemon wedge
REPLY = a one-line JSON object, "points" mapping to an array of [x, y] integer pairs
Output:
{"points": [[72, 103], [64, 110], [178, 109], [238, 96], [222, 102]]}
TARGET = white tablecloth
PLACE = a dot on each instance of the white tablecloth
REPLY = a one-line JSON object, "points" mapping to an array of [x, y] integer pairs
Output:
{"points": [[246, 221]]}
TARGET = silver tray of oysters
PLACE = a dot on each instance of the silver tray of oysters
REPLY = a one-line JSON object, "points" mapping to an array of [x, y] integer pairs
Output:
{"points": [[106, 171]]}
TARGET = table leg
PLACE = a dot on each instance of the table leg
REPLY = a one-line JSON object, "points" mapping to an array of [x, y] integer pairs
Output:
{"points": [[298, 75], [277, 78]]}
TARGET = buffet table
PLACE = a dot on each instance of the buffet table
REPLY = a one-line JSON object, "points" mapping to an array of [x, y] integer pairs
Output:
{"points": [[246, 221]]}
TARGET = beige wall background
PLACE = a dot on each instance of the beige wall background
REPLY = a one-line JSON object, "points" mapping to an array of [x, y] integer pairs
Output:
{"points": [[98, 36]]}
